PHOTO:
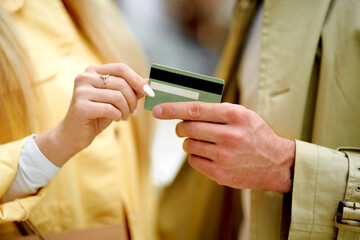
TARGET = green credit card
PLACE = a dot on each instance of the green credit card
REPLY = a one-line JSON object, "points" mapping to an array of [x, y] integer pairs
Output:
{"points": [[175, 85]]}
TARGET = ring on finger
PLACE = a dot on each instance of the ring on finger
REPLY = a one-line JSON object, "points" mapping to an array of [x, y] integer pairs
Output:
{"points": [[104, 78]]}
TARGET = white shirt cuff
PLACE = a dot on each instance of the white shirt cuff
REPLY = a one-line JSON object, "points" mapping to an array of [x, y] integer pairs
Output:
{"points": [[34, 171]]}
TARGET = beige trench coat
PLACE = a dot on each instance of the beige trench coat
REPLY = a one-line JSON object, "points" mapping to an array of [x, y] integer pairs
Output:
{"points": [[308, 90]]}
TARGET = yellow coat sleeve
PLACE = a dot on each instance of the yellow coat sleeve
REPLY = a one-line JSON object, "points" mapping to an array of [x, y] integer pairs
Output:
{"points": [[9, 160]]}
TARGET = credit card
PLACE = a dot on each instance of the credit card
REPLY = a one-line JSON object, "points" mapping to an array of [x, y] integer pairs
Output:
{"points": [[175, 85]]}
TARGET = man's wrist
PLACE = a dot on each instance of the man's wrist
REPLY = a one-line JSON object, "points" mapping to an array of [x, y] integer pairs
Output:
{"points": [[286, 158], [289, 157]]}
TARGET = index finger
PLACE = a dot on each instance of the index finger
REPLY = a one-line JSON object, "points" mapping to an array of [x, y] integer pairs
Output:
{"points": [[198, 111], [136, 82]]}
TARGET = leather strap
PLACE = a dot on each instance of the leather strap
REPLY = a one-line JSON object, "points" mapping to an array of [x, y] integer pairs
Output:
{"points": [[348, 218]]}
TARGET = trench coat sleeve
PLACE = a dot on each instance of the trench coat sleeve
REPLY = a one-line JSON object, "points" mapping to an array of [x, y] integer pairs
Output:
{"points": [[322, 178], [19, 208]]}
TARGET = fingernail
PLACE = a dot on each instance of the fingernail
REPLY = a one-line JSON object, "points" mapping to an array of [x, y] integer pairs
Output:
{"points": [[157, 111], [135, 111], [148, 91]]}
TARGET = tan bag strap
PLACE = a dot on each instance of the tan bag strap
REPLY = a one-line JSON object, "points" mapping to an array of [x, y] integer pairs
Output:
{"points": [[348, 216], [28, 228]]}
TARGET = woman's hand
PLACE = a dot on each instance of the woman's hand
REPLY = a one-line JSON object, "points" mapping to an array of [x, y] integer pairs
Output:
{"points": [[102, 94]]}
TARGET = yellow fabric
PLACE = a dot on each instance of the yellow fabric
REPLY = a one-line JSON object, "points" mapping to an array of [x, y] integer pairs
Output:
{"points": [[13, 5], [109, 178], [7, 164], [308, 90]]}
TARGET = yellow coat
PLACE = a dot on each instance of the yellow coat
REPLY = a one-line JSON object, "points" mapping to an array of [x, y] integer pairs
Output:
{"points": [[309, 89], [110, 179]]}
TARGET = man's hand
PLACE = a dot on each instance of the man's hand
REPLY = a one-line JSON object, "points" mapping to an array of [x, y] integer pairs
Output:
{"points": [[232, 144]]}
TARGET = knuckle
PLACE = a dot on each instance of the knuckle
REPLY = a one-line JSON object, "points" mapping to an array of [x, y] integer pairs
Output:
{"points": [[122, 83], [195, 110], [189, 145], [125, 111], [116, 97], [185, 145], [81, 78], [189, 129], [192, 161], [246, 115], [108, 109], [132, 105], [234, 113], [122, 66], [232, 137], [78, 106], [223, 156], [178, 129], [118, 116], [90, 68], [79, 92]]}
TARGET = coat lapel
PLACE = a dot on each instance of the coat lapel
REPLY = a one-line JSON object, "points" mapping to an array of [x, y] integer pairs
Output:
{"points": [[291, 33], [290, 38]]}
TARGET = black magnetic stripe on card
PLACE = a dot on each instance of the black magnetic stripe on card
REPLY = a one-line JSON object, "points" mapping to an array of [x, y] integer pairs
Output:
{"points": [[186, 81]]}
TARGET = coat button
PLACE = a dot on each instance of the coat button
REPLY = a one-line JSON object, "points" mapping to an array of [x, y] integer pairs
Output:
{"points": [[357, 188]]}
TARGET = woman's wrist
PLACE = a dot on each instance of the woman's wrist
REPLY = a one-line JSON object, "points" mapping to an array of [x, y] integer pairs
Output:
{"points": [[55, 146]]}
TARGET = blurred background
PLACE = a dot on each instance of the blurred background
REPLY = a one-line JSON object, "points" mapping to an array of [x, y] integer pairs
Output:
{"points": [[185, 34]]}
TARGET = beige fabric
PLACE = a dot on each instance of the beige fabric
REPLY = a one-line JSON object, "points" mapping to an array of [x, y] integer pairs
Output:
{"points": [[351, 231], [249, 67], [308, 90], [314, 211], [109, 178], [352, 214]]}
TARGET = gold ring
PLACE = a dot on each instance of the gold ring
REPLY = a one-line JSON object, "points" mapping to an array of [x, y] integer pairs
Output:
{"points": [[104, 78]]}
